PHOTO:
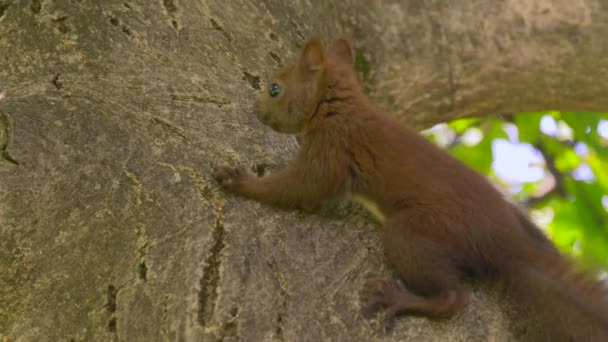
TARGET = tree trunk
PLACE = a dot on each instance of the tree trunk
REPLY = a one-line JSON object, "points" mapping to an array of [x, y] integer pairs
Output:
{"points": [[113, 115]]}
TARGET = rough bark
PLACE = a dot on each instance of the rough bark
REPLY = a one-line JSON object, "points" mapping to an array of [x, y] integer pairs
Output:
{"points": [[114, 114]]}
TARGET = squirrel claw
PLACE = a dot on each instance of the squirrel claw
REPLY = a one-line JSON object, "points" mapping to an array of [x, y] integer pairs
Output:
{"points": [[372, 308], [228, 177], [390, 318], [388, 295]]}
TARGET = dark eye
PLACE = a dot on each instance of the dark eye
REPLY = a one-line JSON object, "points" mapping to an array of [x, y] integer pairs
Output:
{"points": [[274, 90]]}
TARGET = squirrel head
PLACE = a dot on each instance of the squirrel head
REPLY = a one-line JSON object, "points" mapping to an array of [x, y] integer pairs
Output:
{"points": [[293, 93]]}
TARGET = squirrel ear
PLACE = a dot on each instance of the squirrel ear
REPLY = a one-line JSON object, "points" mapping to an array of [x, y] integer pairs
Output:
{"points": [[312, 57], [342, 49]]}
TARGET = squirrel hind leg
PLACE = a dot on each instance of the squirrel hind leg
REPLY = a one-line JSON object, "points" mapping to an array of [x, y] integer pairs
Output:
{"points": [[430, 282], [398, 300]]}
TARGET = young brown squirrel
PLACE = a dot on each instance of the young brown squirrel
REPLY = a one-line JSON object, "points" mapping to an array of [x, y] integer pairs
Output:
{"points": [[441, 220]]}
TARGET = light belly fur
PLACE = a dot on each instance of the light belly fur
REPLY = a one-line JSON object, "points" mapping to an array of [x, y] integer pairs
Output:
{"points": [[371, 206]]}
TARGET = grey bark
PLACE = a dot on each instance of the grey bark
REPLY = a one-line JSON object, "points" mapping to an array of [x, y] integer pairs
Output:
{"points": [[114, 114]]}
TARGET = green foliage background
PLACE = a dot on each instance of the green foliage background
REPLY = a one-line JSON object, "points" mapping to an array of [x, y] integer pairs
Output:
{"points": [[572, 209]]}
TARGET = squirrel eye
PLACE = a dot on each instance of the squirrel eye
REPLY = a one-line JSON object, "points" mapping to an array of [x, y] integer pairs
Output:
{"points": [[274, 90]]}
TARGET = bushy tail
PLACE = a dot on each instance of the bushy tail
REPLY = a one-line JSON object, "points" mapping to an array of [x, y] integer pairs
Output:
{"points": [[572, 305]]}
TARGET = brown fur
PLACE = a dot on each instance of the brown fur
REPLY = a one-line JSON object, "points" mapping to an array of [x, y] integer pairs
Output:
{"points": [[442, 221]]}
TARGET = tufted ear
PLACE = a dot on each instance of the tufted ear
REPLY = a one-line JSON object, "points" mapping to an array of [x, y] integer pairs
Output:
{"points": [[312, 56], [342, 50]]}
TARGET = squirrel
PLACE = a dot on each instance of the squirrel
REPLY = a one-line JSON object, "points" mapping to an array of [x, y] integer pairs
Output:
{"points": [[442, 222]]}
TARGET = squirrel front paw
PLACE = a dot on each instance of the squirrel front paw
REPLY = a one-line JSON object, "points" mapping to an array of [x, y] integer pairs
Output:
{"points": [[230, 178]]}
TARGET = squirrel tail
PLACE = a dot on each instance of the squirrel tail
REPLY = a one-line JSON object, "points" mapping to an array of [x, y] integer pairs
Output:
{"points": [[570, 304]]}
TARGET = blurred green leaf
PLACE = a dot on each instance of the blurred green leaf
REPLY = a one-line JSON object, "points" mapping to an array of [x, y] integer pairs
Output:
{"points": [[592, 220], [600, 169], [528, 125], [564, 156], [461, 125], [583, 124], [564, 227], [567, 160]]}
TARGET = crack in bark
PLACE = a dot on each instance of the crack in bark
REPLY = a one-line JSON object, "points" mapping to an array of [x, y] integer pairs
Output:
{"points": [[56, 82], [5, 135], [36, 7], [209, 281], [143, 270], [165, 314], [117, 23], [275, 57], [143, 244], [61, 24], [253, 80], [3, 8], [211, 271], [282, 281], [171, 8], [216, 26], [111, 306], [142, 251], [171, 128], [191, 98]]}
